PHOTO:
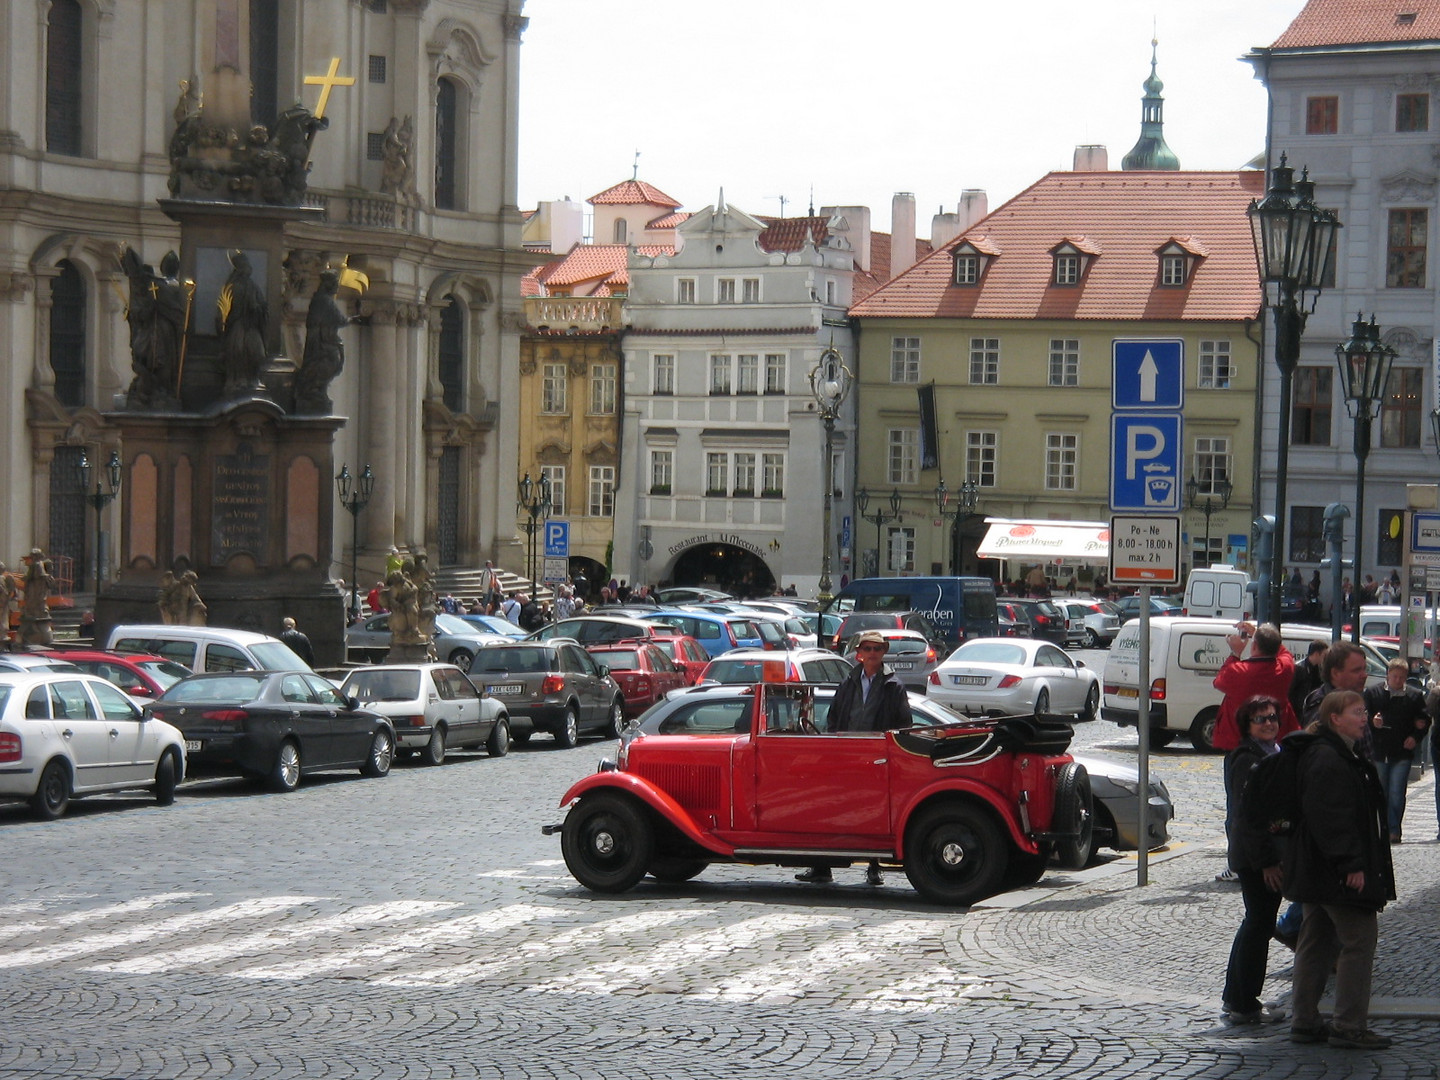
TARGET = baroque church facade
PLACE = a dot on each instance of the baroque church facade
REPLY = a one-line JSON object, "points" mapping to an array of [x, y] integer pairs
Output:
{"points": [[413, 184]]}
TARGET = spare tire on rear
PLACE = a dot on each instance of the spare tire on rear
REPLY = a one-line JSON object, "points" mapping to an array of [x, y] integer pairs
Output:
{"points": [[1073, 822]]}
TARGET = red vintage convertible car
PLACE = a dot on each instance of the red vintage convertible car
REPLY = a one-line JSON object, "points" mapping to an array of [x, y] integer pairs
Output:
{"points": [[752, 775]]}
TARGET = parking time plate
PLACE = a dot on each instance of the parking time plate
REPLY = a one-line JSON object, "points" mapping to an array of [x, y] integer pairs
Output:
{"points": [[192, 745], [506, 688], [969, 680]]}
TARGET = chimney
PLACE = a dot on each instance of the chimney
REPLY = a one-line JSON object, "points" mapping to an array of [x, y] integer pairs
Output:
{"points": [[944, 228], [858, 233], [1092, 159], [974, 205], [902, 233]]}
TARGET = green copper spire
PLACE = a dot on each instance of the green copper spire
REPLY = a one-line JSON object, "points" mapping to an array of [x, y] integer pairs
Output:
{"points": [[1150, 151]]}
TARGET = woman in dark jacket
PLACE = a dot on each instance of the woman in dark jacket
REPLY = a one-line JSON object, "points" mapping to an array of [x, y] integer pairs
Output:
{"points": [[1338, 865], [1255, 856]]}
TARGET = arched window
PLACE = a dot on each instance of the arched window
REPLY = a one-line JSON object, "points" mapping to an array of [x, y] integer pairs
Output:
{"points": [[264, 61], [447, 146], [67, 335], [452, 354], [620, 230], [64, 46]]}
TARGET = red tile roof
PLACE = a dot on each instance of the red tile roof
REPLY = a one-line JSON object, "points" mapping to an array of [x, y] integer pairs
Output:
{"points": [[669, 221], [1361, 22], [590, 270], [792, 233], [866, 282], [633, 193], [1127, 216]]}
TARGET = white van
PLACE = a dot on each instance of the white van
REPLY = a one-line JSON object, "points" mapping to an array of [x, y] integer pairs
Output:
{"points": [[206, 648], [1219, 592], [1185, 656]]}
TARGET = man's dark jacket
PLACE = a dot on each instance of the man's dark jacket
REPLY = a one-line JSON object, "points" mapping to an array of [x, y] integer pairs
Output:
{"points": [[887, 709], [1403, 716], [1249, 848], [1342, 827]]}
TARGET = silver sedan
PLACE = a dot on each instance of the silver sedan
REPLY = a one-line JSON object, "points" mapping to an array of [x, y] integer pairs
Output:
{"points": [[456, 641], [1011, 676]]}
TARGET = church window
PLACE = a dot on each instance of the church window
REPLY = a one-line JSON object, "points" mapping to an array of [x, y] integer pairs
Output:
{"points": [[67, 335], [64, 77], [452, 354], [264, 61], [448, 145]]}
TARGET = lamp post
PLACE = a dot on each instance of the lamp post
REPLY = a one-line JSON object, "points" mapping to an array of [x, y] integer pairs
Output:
{"points": [[829, 383], [880, 517], [355, 494], [963, 502], [99, 499], [1364, 374], [1294, 243], [534, 499], [1222, 489]]}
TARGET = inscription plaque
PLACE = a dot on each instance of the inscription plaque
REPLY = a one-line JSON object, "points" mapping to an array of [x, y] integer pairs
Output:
{"points": [[240, 505]]}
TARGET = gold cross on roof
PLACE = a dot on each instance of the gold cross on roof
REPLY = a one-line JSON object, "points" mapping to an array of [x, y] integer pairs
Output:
{"points": [[328, 82]]}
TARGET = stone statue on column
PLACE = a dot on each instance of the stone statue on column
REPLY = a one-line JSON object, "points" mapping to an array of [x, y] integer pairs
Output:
{"points": [[242, 316], [35, 625], [324, 356]]}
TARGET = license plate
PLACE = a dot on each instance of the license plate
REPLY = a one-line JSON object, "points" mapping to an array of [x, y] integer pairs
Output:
{"points": [[192, 745], [507, 688], [902, 667], [1128, 691], [969, 680]]}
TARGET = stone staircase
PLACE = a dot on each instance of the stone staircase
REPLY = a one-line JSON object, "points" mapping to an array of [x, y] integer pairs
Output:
{"points": [[465, 583]]}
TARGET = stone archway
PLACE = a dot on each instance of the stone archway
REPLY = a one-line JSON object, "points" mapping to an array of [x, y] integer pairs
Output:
{"points": [[726, 567]]}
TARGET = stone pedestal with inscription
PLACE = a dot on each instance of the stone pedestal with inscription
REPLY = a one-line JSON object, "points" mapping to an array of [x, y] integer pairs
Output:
{"points": [[240, 495]]}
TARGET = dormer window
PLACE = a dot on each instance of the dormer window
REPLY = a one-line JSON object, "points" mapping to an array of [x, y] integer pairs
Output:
{"points": [[1072, 259], [971, 257], [1178, 258]]}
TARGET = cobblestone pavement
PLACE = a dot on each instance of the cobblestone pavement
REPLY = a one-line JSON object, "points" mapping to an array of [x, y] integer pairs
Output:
{"points": [[421, 926]]}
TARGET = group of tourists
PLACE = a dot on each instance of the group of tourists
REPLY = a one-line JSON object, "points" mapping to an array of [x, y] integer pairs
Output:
{"points": [[1315, 825]]}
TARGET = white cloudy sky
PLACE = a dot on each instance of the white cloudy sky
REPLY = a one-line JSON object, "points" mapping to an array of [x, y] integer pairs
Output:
{"points": [[862, 99]]}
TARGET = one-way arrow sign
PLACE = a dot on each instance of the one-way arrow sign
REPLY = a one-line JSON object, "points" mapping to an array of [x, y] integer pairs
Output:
{"points": [[1148, 374]]}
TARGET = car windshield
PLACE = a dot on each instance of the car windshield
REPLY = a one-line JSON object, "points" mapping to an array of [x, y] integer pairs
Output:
{"points": [[164, 672], [383, 685], [618, 659], [273, 656], [237, 688], [506, 660], [989, 652]]}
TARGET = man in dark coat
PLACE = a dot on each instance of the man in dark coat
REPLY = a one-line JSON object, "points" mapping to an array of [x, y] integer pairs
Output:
{"points": [[297, 640], [1397, 725], [1338, 865], [870, 698]]}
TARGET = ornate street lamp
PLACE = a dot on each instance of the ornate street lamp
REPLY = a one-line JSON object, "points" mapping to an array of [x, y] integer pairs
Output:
{"points": [[99, 499], [534, 500], [1364, 363], [829, 383], [1294, 243], [1216, 496], [354, 496], [862, 500], [951, 507]]}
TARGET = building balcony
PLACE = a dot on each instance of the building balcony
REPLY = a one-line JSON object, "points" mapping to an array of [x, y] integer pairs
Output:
{"points": [[365, 209], [575, 314]]}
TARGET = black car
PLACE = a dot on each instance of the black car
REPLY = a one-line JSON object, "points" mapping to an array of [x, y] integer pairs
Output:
{"points": [[552, 686], [1047, 621], [1129, 607], [274, 725]]}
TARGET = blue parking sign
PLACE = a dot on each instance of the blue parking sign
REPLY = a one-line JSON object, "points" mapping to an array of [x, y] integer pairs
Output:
{"points": [[1147, 373], [1145, 458], [557, 539]]}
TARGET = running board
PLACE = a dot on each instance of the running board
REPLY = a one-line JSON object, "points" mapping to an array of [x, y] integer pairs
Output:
{"points": [[809, 853]]}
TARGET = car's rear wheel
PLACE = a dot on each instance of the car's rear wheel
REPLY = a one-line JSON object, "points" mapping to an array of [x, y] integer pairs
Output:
{"points": [[1160, 736], [435, 748], [462, 659], [955, 855], [382, 752], [569, 734], [608, 842], [1092, 703], [520, 738], [166, 777], [1092, 639], [498, 744], [52, 797], [1074, 814], [672, 869], [1042, 703], [616, 720], [285, 773], [1202, 731]]}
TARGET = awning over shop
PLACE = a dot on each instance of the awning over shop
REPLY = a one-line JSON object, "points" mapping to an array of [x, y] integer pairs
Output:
{"points": [[1046, 541]]}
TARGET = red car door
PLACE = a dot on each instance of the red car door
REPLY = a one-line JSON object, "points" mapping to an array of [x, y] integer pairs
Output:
{"points": [[826, 789]]}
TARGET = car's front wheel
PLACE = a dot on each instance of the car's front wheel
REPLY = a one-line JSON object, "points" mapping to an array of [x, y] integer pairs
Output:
{"points": [[166, 777], [52, 797], [608, 843], [955, 855], [285, 773], [498, 744], [382, 753]]}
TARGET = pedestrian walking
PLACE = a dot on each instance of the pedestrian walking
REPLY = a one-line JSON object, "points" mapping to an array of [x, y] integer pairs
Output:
{"points": [[869, 698], [1338, 865], [1255, 856], [1398, 722], [296, 641], [1344, 668]]}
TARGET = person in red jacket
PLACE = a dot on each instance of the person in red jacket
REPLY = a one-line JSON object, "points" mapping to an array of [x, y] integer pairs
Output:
{"points": [[1267, 671]]}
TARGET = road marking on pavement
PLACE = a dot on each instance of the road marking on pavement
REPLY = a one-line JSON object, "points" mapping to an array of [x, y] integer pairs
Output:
{"points": [[84, 915], [94, 943], [264, 942]]}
